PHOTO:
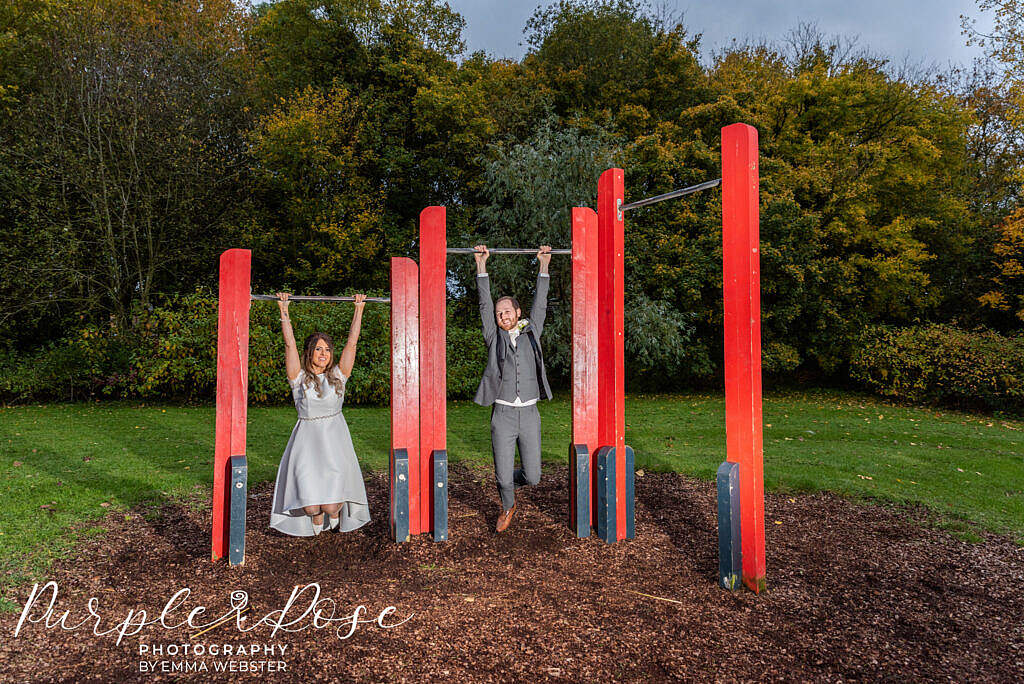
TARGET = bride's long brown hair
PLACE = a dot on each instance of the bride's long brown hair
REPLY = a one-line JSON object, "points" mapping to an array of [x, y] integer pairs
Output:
{"points": [[307, 364]]}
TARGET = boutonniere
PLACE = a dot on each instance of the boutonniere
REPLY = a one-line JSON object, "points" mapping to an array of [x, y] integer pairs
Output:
{"points": [[522, 324]]}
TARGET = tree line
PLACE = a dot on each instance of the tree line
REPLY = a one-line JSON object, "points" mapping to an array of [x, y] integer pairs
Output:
{"points": [[141, 138]]}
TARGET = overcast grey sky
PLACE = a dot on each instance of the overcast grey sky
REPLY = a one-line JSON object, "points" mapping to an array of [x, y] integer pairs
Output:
{"points": [[926, 31]]}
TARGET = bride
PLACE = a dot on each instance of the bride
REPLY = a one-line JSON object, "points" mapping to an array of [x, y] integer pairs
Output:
{"points": [[319, 473]]}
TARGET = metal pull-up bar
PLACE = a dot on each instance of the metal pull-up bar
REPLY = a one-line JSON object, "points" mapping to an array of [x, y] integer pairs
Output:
{"points": [[316, 298], [504, 250], [672, 195]]}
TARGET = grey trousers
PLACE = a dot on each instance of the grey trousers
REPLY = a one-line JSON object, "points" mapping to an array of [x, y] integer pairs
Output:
{"points": [[512, 425]]}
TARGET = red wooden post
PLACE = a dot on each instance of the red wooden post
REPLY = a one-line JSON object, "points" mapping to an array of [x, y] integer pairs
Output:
{"points": [[405, 376], [584, 349], [611, 383], [433, 295], [742, 299], [232, 384]]}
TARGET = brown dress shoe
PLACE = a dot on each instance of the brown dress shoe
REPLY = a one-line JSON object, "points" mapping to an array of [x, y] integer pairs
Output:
{"points": [[505, 518]]}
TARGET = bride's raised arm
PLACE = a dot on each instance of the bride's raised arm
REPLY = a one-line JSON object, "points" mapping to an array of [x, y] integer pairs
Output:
{"points": [[348, 354], [291, 352]]}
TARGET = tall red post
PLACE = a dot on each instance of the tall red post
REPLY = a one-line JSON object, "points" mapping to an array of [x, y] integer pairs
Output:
{"points": [[232, 384], [433, 295], [742, 300], [611, 379], [405, 377], [585, 367]]}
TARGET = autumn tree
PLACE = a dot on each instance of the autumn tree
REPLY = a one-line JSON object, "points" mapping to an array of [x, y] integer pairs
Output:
{"points": [[1008, 292], [123, 156], [1004, 44], [1002, 104], [614, 62], [368, 120]]}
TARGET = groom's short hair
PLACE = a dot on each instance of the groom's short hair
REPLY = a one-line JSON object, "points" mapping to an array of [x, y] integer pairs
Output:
{"points": [[515, 302]]}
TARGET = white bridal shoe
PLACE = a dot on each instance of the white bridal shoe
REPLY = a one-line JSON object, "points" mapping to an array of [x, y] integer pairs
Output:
{"points": [[333, 523]]}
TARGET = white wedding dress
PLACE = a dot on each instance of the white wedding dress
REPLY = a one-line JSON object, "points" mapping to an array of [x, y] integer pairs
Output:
{"points": [[319, 464]]}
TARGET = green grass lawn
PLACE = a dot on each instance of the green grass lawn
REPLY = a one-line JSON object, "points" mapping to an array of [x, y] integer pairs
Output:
{"points": [[75, 462]]}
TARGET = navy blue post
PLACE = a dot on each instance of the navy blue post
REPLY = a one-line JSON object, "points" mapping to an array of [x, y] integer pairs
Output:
{"points": [[440, 457], [399, 467], [579, 485], [730, 566], [606, 504], [236, 516], [630, 494]]}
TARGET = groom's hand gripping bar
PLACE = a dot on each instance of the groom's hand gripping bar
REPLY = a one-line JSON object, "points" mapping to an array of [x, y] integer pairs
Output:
{"points": [[503, 250], [317, 298]]}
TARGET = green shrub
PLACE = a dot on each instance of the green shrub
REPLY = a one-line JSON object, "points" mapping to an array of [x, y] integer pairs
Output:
{"points": [[940, 363], [86, 363], [56, 370]]}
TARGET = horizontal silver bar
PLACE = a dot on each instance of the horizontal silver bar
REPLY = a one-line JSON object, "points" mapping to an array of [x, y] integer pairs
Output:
{"points": [[504, 250], [672, 195], [317, 298]]}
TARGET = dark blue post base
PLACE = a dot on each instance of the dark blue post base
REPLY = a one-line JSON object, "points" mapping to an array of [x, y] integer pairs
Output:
{"points": [[440, 458], [607, 510], [579, 490], [236, 519], [730, 559], [606, 505], [630, 494], [398, 471]]}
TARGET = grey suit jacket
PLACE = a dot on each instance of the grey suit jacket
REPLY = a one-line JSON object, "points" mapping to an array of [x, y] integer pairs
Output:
{"points": [[490, 383]]}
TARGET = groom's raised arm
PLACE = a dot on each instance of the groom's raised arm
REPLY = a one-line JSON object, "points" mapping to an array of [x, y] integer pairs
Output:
{"points": [[539, 308], [483, 288]]}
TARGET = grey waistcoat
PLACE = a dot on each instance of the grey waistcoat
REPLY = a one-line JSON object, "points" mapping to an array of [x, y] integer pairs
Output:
{"points": [[517, 373]]}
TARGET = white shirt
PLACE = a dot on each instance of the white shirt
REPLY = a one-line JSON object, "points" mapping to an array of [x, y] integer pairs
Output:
{"points": [[512, 335]]}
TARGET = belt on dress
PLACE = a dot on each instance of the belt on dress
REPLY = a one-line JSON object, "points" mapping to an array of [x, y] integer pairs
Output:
{"points": [[321, 417]]}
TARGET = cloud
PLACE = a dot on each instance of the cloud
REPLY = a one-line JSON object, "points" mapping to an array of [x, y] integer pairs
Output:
{"points": [[924, 30]]}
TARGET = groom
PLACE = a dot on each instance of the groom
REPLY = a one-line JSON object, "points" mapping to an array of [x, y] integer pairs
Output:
{"points": [[513, 381]]}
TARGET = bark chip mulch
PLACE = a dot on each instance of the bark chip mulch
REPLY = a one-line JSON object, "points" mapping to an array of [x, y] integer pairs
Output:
{"points": [[854, 592]]}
